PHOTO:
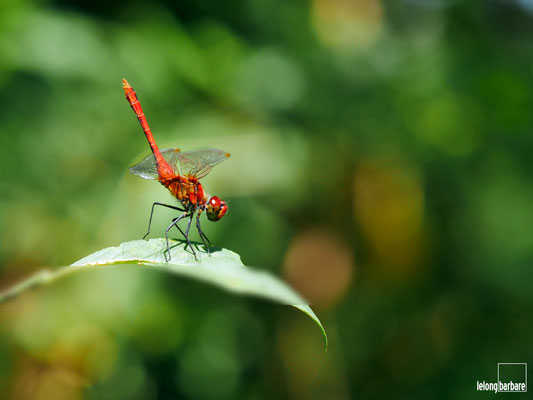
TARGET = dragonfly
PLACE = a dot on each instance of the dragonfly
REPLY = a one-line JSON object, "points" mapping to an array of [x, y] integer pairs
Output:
{"points": [[180, 172]]}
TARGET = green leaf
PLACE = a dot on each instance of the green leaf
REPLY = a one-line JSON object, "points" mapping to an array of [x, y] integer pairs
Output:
{"points": [[223, 269]]}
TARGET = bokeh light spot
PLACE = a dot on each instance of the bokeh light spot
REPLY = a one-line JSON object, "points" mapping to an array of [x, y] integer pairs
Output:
{"points": [[320, 265], [348, 25], [389, 207]]}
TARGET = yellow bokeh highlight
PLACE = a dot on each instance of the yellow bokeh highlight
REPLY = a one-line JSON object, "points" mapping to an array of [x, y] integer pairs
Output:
{"points": [[347, 25], [389, 208]]}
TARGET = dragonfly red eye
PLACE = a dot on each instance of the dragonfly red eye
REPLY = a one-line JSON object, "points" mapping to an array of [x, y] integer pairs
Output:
{"points": [[223, 210], [216, 208]]}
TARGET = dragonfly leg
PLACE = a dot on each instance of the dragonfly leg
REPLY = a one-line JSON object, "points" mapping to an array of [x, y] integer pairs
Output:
{"points": [[187, 235], [152, 213], [182, 233], [177, 226], [202, 235], [174, 222]]}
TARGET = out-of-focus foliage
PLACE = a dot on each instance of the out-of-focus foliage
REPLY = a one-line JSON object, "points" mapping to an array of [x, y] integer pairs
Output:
{"points": [[380, 163]]}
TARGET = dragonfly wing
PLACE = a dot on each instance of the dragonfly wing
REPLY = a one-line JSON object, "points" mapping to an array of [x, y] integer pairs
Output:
{"points": [[199, 162], [147, 168]]}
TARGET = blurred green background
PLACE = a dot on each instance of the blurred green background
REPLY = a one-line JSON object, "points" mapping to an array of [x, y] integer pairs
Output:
{"points": [[381, 164]]}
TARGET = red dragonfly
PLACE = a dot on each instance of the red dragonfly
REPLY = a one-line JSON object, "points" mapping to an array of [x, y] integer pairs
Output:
{"points": [[180, 173]]}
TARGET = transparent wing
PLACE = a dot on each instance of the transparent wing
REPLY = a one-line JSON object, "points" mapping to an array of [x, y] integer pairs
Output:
{"points": [[199, 162], [147, 168]]}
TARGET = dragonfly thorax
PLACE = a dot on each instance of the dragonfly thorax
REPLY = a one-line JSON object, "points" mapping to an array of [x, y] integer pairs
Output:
{"points": [[191, 194], [188, 191]]}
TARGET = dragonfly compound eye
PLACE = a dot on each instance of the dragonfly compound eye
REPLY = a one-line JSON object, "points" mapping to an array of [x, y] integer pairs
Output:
{"points": [[215, 208]]}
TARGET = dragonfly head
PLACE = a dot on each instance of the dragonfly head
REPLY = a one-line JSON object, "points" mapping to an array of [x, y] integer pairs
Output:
{"points": [[216, 208]]}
